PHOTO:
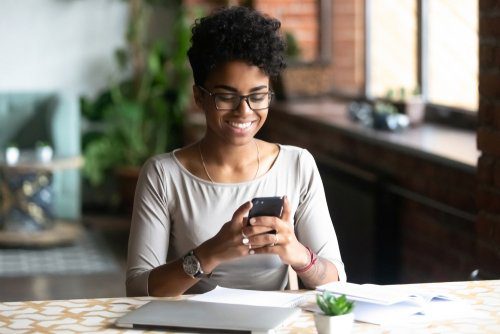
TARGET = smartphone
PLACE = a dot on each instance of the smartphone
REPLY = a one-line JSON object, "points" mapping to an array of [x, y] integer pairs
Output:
{"points": [[266, 206]]}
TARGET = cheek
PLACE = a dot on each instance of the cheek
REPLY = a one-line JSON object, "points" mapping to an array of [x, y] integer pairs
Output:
{"points": [[263, 117]]}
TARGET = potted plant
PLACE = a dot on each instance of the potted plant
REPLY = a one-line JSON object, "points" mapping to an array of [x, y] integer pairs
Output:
{"points": [[412, 105], [336, 316], [142, 116]]}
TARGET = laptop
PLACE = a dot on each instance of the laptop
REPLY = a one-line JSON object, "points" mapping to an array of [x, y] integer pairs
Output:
{"points": [[205, 317]]}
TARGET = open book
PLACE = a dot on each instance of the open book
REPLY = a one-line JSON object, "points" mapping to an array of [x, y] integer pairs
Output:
{"points": [[381, 294], [381, 304]]}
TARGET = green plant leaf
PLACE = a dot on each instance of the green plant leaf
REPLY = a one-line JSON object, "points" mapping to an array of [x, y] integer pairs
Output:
{"points": [[331, 305], [142, 115]]}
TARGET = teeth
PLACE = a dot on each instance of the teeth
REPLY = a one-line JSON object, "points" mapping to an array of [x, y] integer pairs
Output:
{"points": [[240, 125]]}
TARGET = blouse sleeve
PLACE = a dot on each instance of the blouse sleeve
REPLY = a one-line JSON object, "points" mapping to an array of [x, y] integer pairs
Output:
{"points": [[149, 230], [313, 224]]}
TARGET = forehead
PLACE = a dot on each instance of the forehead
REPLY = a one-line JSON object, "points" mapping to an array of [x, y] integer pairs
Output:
{"points": [[237, 74]]}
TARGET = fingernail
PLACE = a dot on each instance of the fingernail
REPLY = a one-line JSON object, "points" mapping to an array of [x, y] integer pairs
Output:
{"points": [[252, 221]]}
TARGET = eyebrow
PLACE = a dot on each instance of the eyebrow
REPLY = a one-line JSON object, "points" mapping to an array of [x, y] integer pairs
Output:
{"points": [[232, 89]]}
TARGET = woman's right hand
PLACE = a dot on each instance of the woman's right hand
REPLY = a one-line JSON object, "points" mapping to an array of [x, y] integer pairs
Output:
{"points": [[227, 243]]}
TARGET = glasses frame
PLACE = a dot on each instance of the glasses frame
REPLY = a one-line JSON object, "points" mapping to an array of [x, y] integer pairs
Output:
{"points": [[242, 97]]}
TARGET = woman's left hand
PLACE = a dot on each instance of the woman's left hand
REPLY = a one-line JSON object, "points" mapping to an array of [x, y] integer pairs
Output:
{"points": [[283, 243]]}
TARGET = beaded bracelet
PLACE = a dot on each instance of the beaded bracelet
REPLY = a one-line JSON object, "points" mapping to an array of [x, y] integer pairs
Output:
{"points": [[312, 261]]}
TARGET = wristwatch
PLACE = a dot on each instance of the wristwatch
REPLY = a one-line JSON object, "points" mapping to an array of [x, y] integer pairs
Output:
{"points": [[192, 266]]}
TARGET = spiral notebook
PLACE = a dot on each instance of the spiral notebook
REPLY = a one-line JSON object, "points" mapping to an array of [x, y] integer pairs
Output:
{"points": [[253, 297]]}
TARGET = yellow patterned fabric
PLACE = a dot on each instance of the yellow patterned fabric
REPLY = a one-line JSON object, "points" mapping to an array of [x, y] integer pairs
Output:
{"points": [[99, 315]]}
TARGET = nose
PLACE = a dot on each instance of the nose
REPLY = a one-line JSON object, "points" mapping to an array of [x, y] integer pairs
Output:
{"points": [[244, 106]]}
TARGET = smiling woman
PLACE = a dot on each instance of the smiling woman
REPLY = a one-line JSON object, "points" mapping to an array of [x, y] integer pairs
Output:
{"points": [[190, 230]]}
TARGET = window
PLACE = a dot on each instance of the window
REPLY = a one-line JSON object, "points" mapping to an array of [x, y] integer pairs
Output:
{"points": [[429, 45], [452, 53], [392, 54]]}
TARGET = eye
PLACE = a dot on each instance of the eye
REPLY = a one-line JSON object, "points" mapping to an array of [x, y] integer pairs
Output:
{"points": [[226, 97], [257, 97]]}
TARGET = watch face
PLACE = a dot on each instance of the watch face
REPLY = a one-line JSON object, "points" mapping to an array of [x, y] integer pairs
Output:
{"points": [[191, 265]]}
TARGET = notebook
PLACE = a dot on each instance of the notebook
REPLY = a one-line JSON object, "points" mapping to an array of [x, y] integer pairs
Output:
{"points": [[203, 317]]}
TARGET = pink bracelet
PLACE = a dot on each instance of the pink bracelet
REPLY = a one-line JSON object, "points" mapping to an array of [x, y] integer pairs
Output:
{"points": [[312, 261]]}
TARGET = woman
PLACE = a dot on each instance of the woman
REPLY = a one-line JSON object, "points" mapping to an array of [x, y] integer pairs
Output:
{"points": [[189, 230]]}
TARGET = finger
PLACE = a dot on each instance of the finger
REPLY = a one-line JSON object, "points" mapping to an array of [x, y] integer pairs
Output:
{"points": [[286, 216], [266, 250], [265, 239], [241, 212], [266, 221], [255, 230]]}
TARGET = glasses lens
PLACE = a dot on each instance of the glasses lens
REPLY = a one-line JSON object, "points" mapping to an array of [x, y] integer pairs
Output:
{"points": [[226, 101], [232, 101], [259, 100]]}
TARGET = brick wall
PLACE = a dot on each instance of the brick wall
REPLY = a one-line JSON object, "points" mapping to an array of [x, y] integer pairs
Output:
{"points": [[347, 68], [344, 72], [298, 18], [488, 140]]}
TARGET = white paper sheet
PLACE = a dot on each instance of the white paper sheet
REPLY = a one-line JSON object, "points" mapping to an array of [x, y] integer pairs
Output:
{"points": [[253, 297]]}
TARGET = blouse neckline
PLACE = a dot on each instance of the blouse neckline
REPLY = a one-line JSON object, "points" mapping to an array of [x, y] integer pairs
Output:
{"points": [[207, 182]]}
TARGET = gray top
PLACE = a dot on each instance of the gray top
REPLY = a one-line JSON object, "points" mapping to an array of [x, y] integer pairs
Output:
{"points": [[175, 211]]}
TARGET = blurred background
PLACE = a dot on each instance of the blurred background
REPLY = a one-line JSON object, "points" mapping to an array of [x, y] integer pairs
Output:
{"points": [[399, 102]]}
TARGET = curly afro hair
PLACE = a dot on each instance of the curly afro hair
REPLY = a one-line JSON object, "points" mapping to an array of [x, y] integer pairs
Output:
{"points": [[236, 33]]}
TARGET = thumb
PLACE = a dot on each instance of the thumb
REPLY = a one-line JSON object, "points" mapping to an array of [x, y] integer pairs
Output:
{"points": [[241, 212]]}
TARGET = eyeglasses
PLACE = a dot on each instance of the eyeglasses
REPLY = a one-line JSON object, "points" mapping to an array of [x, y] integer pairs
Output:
{"points": [[231, 101]]}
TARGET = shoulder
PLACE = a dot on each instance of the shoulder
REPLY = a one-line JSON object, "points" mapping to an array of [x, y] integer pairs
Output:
{"points": [[296, 154], [159, 161], [158, 165]]}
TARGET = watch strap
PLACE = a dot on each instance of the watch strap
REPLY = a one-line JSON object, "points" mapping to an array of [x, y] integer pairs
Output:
{"points": [[200, 273]]}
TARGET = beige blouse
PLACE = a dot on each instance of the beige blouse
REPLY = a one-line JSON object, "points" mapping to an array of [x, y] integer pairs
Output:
{"points": [[175, 211]]}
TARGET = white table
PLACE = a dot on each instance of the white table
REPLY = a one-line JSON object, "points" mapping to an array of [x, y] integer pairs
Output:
{"points": [[99, 315]]}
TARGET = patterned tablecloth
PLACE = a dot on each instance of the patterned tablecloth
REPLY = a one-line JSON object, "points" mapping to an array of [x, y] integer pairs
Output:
{"points": [[99, 315]]}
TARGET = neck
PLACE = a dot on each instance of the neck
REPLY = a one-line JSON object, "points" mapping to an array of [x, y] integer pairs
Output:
{"points": [[216, 153], [230, 163]]}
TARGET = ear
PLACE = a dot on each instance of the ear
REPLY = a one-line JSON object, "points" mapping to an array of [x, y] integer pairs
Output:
{"points": [[198, 98]]}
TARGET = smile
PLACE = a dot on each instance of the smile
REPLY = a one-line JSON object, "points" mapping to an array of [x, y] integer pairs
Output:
{"points": [[240, 125]]}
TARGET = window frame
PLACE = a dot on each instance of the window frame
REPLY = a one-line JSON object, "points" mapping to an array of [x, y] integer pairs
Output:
{"points": [[435, 113]]}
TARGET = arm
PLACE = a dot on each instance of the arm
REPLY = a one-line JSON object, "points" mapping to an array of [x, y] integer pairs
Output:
{"points": [[171, 280], [149, 231], [285, 244], [313, 228], [147, 272]]}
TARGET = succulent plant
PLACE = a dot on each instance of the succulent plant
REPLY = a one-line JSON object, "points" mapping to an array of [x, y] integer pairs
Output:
{"points": [[332, 305]]}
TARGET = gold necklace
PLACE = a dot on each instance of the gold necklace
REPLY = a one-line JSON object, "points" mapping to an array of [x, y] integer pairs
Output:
{"points": [[205, 167]]}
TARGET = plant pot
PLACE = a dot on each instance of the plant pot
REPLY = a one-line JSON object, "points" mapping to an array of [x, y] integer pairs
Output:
{"points": [[339, 324], [415, 110]]}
